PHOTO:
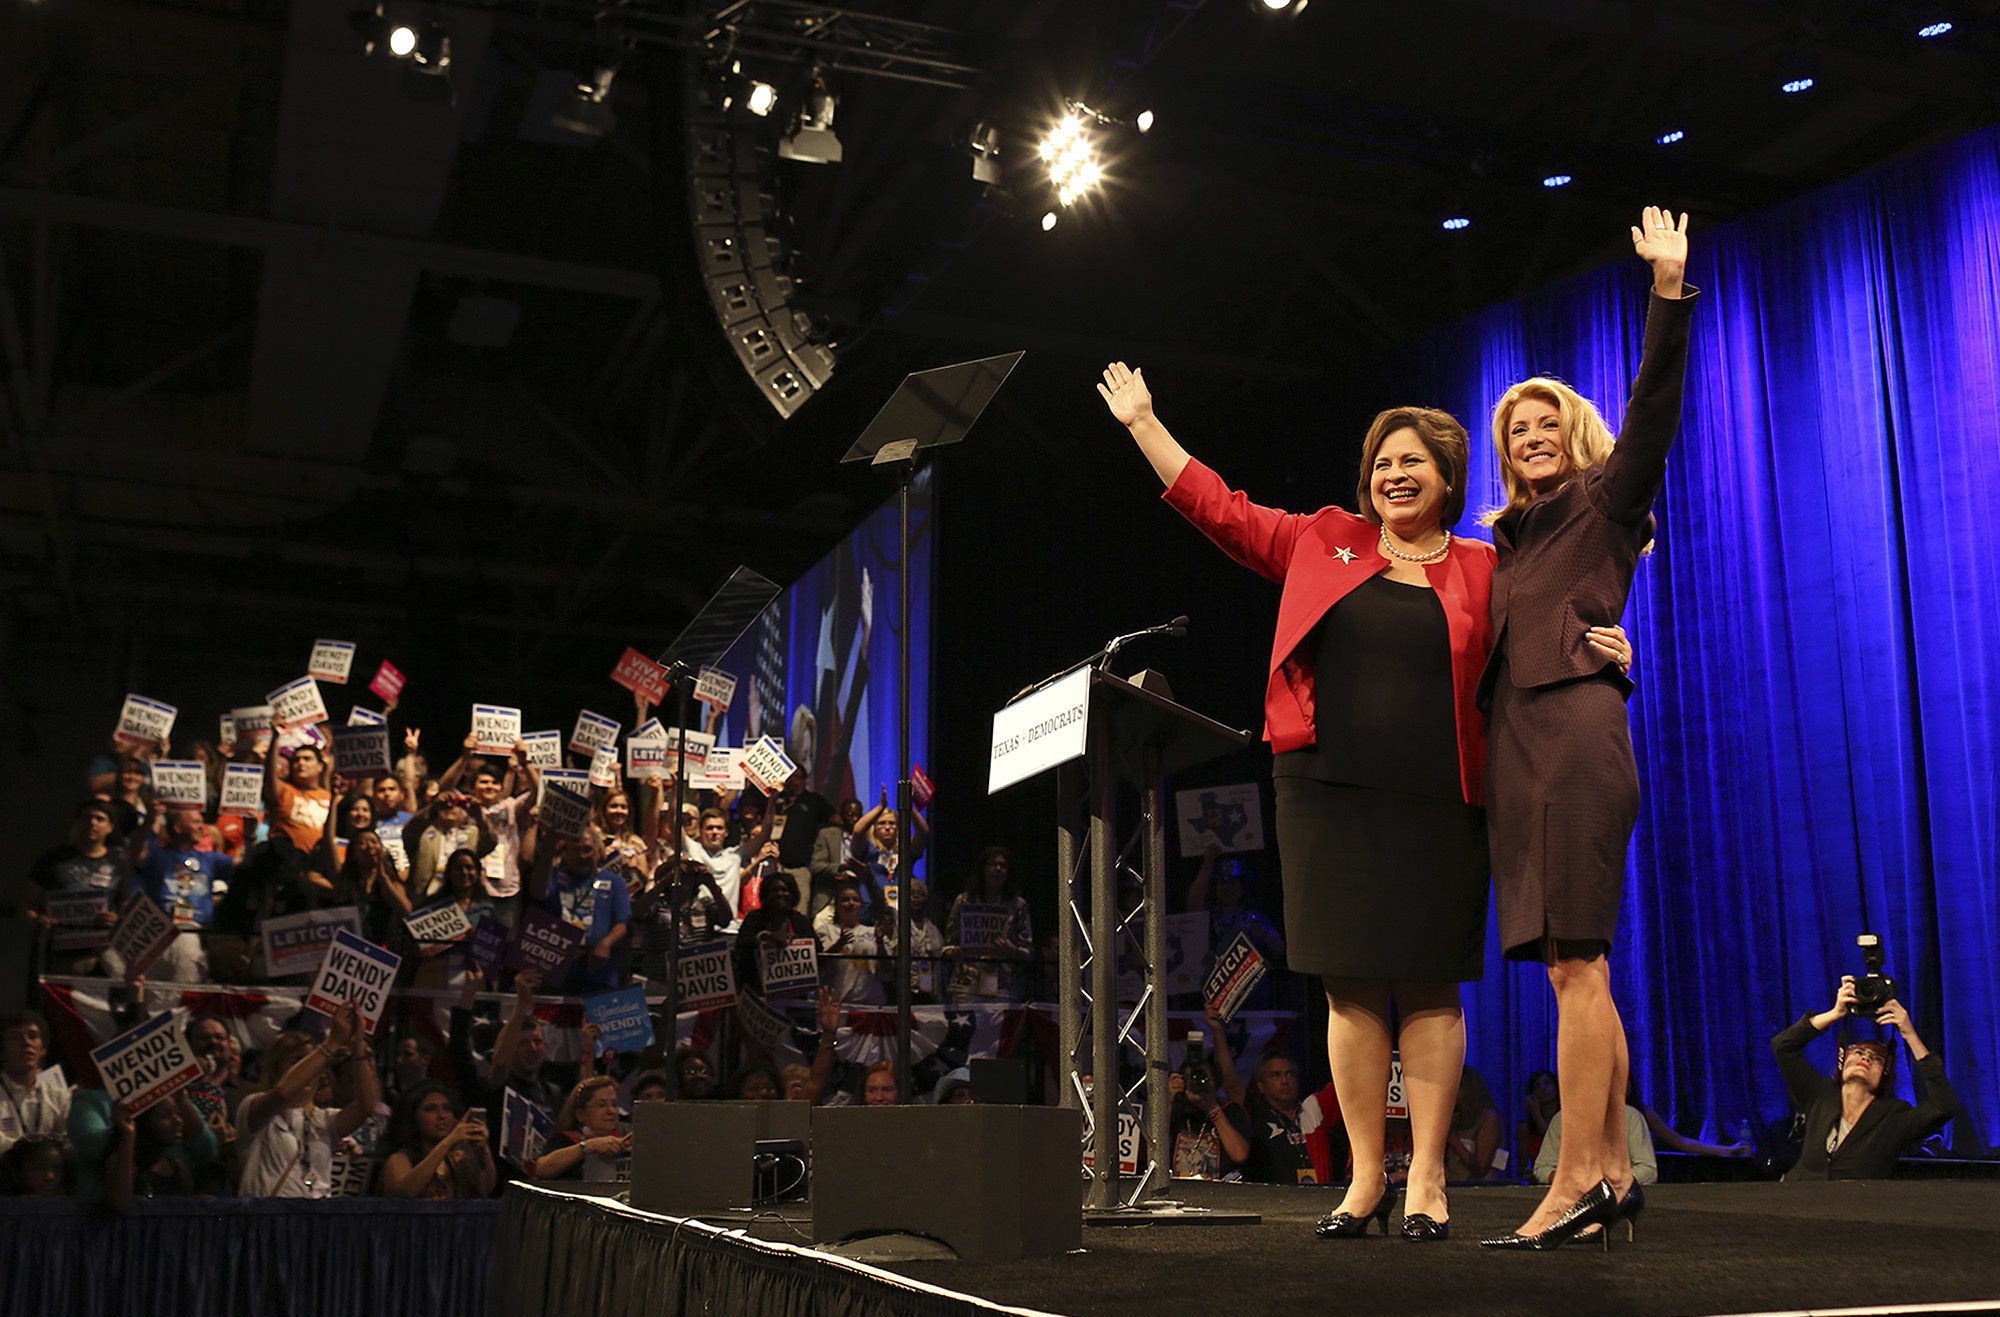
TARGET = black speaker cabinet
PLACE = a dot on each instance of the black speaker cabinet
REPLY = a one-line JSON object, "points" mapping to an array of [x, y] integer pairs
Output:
{"points": [[992, 1182], [697, 1156]]}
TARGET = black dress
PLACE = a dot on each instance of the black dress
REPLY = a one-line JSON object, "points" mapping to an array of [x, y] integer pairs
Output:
{"points": [[1384, 863]]}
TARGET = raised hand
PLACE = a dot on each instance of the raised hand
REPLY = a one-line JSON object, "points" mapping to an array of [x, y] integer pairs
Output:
{"points": [[1661, 242], [1124, 391], [829, 1010]]}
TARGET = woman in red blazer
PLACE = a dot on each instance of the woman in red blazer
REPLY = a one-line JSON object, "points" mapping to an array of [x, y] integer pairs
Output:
{"points": [[1383, 629]]}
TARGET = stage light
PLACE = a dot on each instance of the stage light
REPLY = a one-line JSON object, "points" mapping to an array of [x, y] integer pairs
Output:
{"points": [[985, 147], [1556, 180], [588, 114], [1457, 222], [1933, 30], [761, 99], [402, 40], [812, 140], [1144, 123], [1279, 7], [1071, 153], [1797, 85], [1048, 221], [1668, 139]]}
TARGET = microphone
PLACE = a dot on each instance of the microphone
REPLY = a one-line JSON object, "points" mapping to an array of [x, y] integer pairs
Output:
{"points": [[1176, 628]]}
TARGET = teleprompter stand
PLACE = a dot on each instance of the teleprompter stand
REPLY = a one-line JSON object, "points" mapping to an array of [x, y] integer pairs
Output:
{"points": [[929, 409], [713, 632], [1097, 731]]}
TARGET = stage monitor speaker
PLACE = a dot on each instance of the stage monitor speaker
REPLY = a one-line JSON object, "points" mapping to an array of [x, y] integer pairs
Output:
{"points": [[992, 1182], [698, 1156]]}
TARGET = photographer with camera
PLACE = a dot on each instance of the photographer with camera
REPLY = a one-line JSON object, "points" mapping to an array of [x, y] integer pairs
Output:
{"points": [[1855, 1125], [1208, 1142]]}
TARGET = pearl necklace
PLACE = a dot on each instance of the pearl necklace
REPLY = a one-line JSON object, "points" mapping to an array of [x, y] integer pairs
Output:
{"points": [[1434, 555]]}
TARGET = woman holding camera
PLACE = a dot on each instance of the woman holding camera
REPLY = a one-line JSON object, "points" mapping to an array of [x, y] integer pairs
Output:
{"points": [[1379, 765], [1855, 1129]]}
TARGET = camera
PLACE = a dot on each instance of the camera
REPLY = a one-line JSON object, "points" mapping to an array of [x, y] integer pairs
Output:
{"points": [[1873, 990]]}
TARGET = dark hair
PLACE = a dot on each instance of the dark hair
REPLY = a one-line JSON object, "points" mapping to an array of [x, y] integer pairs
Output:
{"points": [[15, 1019], [777, 878], [1880, 1046], [1528, 1089], [1442, 437], [14, 1163], [309, 748], [979, 869], [487, 769], [405, 1135], [734, 1088], [1270, 1054]]}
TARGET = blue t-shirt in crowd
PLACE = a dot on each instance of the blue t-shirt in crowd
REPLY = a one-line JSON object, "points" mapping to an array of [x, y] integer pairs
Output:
{"points": [[597, 904], [185, 883]]}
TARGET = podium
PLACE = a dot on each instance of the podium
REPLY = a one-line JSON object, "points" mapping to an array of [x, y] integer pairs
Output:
{"points": [[1098, 731]]}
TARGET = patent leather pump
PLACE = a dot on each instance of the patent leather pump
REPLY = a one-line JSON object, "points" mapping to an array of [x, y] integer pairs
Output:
{"points": [[1353, 1225], [1599, 1205], [1426, 1229]]}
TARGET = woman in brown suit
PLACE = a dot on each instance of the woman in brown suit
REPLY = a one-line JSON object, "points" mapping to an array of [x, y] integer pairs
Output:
{"points": [[1563, 790]]}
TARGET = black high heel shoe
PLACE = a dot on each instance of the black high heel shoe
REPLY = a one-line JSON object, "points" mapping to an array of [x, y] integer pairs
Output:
{"points": [[1354, 1225], [1425, 1228], [1600, 1205], [1630, 1204]]}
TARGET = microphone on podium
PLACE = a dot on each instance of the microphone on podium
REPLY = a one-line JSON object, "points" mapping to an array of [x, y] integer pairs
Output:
{"points": [[1176, 628]]}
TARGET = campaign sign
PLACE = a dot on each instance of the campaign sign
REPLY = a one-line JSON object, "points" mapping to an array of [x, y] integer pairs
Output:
{"points": [[592, 732], [1399, 1096], [243, 789], [296, 944], [495, 728], [146, 1064], [1128, 1146], [723, 771], [695, 755], [565, 804], [362, 716], [714, 686], [78, 916], [651, 729], [524, 1129], [790, 970], [144, 722], [545, 749], [362, 752], [623, 1022], [350, 1175], [180, 782], [358, 972], [487, 947], [646, 757], [331, 660], [225, 734], [445, 922], [296, 703], [762, 1025], [544, 942], [1187, 948], [392, 842], [707, 977], [1237, 971], [143, 934], [636, 672], [921, 790], [388, 682], [766, 766], [1226, 818], [253, 721], [604, 766], [980, 927]]}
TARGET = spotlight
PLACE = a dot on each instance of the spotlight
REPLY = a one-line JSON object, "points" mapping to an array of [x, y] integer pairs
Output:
{"points": [[1668, 139], [1457, 222], [813, 141], [1273, 8], [985, 147], [402, 40], [1797, 85], [1071, 153], [762, 99], [1144, 123], [1930, 30], [1556, 180], [1048, 221]]}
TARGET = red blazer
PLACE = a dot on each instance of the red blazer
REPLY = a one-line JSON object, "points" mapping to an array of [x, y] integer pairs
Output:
{"points": [[1319, 558]]}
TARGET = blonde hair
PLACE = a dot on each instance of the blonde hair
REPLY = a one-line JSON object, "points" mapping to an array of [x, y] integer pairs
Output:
{"points": [[1587, 441]]}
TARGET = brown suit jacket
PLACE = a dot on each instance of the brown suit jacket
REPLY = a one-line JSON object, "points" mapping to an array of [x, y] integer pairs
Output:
{"points": [[1567, 558]]}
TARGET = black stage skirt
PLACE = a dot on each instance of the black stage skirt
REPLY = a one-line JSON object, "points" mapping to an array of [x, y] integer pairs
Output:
{"points": [[1381, 885]]}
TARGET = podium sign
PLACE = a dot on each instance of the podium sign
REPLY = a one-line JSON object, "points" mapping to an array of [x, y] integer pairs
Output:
{"points": [[1039, 731]]}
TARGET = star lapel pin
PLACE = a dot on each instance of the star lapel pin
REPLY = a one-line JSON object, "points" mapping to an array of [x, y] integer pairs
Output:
{"points": [[1345, 555]]}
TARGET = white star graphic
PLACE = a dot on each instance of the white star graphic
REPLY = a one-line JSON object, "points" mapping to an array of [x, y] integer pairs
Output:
{"points": [[1345, 555]]}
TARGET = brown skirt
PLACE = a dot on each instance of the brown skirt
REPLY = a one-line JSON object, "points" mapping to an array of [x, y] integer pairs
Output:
{"points": [[1562, 794]]}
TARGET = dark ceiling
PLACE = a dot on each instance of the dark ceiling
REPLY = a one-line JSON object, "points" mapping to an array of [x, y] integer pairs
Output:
{"points": [[297, 338]]}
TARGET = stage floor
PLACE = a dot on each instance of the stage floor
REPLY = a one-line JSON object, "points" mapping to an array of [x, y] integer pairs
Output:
{"points": [[1702, 1249]]}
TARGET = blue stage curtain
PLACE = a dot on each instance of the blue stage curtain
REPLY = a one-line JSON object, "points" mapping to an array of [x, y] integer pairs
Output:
{"points": [[276, 1257], [1818, 633]]}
